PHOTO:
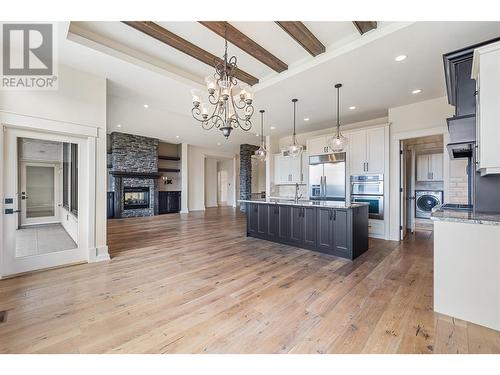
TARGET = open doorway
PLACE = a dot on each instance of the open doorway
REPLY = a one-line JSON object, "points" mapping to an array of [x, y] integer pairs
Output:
{"points": [[219, 182], [422, 181]]}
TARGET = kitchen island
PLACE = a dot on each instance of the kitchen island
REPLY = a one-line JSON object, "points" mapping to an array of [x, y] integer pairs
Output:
{"points": [[326, 226], [467, 266]]}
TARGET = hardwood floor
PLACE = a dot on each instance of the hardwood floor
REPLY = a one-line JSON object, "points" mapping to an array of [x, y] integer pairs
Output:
{"points": [[196, 284]]}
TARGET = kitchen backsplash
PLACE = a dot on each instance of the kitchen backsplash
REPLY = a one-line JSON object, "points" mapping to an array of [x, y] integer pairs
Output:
{"points": [[289, 191]]}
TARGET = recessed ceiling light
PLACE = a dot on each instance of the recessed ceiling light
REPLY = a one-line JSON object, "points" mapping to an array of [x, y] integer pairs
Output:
{"points": [[176, 136], [417, 91], [257, 135], [146, 105], [273, 128], [400, 58], [306, 119], [218, 143], [352, 107], [118, 126]]}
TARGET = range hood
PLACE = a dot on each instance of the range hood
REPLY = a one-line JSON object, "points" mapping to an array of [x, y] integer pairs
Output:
{"points": [[462, 130]]}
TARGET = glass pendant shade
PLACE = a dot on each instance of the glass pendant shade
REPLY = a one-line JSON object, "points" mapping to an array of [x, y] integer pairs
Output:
{"points": [[294, 149], [338, 143], [261, 153]]}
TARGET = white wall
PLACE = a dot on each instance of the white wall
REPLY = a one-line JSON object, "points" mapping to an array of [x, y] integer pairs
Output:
{"points": [[410, 121], [80, 99], [211, 187], [228, 166], [196, 174]]}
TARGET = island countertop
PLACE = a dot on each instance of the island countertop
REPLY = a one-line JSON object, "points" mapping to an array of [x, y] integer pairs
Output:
{"points": [[470, 217], [305, 203]]}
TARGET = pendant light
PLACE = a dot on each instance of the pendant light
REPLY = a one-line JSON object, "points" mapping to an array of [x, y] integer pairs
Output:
{"points": [[294, 149], [338, 143], [261, 152]]}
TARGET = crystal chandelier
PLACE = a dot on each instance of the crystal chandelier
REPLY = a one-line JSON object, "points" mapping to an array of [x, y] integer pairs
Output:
{"points": [[261, 153], [338, 143], [294, 149], [224, 111]]}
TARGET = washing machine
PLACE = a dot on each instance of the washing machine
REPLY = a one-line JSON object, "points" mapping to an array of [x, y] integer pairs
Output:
{"points": [[425, 201]]}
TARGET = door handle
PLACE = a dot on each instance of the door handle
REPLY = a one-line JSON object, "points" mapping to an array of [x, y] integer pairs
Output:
{"points": [[367, 166], [330, 215], [334, 215], [10, 211]]}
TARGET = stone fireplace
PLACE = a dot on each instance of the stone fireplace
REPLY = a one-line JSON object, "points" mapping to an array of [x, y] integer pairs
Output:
{"points": [[135, 175]]}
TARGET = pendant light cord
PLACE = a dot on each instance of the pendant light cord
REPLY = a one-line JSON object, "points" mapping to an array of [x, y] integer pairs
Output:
{"points": [[338, 86], [294, 116], [261, 127]]}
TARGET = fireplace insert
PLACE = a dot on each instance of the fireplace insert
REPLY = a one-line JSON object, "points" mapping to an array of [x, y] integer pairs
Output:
{"points": [[135, 197]]}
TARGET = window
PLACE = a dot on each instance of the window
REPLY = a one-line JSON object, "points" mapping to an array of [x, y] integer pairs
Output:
{"points": [[70, 177]]}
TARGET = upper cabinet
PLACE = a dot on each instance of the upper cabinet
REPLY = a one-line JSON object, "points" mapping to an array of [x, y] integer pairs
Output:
{"points": [[367, 151], [318, 146], [430, 167], [288, 170], [486, 71]]}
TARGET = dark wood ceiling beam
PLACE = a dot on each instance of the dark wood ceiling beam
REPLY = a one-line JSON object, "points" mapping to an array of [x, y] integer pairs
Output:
{"points": [[246, 44], [163, 35], [302, 35], [365, 26]]}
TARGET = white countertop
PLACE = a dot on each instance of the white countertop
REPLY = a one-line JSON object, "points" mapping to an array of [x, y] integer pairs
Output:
{"points": [[305, 203]]}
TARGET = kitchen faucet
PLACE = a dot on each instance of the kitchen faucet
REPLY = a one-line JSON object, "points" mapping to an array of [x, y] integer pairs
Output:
{"points": [[297, 196]]}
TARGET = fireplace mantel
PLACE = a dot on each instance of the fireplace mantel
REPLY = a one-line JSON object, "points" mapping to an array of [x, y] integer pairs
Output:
{"points": [[151, 175]]}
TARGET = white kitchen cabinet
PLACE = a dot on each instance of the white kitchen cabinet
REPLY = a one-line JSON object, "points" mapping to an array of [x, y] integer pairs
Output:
{"points": [[375, 150], [367, 151], [318, 146], [486, 72], [357, 152], [288, 170], [430, 167]]}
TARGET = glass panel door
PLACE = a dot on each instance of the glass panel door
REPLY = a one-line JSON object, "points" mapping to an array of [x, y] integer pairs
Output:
{"points": [[40, 189]]}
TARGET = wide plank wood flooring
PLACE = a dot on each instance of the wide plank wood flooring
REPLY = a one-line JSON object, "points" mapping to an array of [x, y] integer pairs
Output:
{"points": [[196, 284]]}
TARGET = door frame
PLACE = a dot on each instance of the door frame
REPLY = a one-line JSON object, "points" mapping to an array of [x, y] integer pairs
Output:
{"points": [[85, 136], [39, 220], [395, 199]]}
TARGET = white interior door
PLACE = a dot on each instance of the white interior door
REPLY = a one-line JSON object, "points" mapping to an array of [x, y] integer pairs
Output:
{"points": [[403, 190], [34, 247], [412, 191], [39, 193]]}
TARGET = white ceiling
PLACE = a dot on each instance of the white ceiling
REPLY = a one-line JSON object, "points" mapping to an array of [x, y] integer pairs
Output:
{"points": [[143, 70]]}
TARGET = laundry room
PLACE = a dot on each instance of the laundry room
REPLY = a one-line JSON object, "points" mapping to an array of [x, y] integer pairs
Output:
{"points": [[424, 160]]}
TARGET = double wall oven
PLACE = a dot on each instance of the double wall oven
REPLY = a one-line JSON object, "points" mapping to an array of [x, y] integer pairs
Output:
{"points": [[369, 189]]}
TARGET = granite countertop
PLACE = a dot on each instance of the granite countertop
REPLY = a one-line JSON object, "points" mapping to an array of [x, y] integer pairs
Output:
{"points": [[305, 203], [470, 217]]}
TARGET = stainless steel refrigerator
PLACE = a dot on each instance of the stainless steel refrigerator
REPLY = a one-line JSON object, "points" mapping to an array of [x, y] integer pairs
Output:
{"points": [[327, 177]]}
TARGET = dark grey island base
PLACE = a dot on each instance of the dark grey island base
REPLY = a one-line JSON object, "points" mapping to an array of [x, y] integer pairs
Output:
{"points": [[328, 227]]}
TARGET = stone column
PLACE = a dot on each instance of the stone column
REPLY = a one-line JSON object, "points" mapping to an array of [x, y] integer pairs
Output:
{"points": [[246, 152]]}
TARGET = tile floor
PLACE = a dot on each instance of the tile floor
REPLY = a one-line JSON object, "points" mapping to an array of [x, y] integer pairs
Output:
{"points": [[42, 239]]}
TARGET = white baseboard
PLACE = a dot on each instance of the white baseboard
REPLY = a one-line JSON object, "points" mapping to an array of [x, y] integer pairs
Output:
{"points": [[184, 211], [102, 254]]}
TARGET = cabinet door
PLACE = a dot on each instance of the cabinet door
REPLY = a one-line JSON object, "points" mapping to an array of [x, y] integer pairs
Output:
{"points": [[341, 233], [305, 168], [273, 224], [262, 224], [309, 226], [375, 150], [423, 173], [317, 146], [436, 162], [173, 202], [325, 227], [162, 202], [466, 86], [284, 224], [357, 152], [286, 176], [296, 230], [253, 217], [277, 168]]}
